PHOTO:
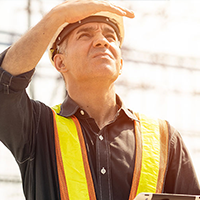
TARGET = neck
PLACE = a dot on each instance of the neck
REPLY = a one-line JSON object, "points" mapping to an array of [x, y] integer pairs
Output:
{"points": [[98, 102]]}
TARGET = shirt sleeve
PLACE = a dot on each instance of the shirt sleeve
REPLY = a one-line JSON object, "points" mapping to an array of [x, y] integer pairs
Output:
{"points": [[18, 113], [181, 176], [9, 83]]}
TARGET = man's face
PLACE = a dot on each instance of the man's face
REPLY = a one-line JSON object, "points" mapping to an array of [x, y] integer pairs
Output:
{"points": [[92, 53]]}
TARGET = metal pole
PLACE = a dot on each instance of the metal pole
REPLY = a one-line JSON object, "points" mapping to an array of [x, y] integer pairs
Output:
{"points": [[29, 13], [31, 86]]}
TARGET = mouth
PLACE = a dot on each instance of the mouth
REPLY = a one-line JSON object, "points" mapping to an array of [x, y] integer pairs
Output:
{"points": [[102, 55]]}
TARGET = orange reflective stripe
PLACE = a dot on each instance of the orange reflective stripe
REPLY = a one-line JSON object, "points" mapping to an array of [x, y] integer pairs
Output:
{"points": [[91, 191], [164, 139], [151, 156], [61, 174], [138, 161], [72, 160]]}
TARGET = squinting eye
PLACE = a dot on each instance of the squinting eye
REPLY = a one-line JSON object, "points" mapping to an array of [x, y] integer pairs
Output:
{"points": [[84, 35], [111, 37]]}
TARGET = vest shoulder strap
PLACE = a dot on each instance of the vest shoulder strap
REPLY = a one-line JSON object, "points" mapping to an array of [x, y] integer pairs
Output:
{"points": [[74, 174], [151, 155]]}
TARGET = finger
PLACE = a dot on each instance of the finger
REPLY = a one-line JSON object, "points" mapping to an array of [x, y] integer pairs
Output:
{"points": [[128, 13], [119, 10]]}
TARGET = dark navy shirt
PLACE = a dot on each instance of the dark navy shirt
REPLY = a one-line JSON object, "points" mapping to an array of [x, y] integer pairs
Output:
{"points": [[26, 128]]}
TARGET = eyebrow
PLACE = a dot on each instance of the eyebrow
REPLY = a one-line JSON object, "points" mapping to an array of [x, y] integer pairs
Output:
{"points": [[88, 29]]}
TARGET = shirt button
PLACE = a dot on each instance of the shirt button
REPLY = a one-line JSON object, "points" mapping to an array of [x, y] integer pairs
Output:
{"points": [[101, 137], [103, 170], [82, 112]]}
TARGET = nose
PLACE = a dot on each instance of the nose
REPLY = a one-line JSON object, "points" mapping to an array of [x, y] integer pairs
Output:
{"points": [[101, 41]]}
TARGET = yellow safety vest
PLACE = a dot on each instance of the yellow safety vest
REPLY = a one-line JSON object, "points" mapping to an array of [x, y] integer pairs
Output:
{"points": [[75, 179]]}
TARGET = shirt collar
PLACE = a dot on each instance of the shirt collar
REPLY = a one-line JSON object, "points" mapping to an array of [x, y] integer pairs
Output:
{"points": [[129, 113], [70, 107]]}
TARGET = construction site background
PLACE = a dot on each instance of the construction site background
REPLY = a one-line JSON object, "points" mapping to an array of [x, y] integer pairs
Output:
{"points": [[161, 74]]}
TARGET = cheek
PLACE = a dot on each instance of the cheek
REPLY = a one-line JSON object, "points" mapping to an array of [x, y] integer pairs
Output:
{"points": [[74, 60], [71, 57], [76, 52], [116, 50], [118, 57]]}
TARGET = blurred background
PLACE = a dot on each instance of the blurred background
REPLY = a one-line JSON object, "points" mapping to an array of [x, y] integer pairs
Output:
{"points": [[161, 74]]}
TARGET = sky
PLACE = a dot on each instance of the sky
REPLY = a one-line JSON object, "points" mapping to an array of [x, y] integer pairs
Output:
{"points": [[164, 26]]}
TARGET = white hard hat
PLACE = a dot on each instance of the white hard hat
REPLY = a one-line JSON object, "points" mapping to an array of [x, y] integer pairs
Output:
{"points": [[114, 20]]}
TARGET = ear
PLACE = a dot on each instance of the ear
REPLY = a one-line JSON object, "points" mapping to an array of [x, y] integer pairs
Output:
{"points": [[59, 63]]}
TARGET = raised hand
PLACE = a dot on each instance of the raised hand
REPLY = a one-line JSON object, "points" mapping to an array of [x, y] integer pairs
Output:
{"points": [[75, 10]]}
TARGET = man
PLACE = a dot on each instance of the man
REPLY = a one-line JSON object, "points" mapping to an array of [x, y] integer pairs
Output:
{"points": [[91, 146]]}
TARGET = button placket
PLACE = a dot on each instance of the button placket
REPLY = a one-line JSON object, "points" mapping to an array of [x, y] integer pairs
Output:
{"points": [[102, 166]]}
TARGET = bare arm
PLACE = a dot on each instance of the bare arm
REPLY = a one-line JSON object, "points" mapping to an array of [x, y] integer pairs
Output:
{"points": [[24, 55]]}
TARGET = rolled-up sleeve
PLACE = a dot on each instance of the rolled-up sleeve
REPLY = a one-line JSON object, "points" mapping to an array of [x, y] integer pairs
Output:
{"points": [[9, 83]]}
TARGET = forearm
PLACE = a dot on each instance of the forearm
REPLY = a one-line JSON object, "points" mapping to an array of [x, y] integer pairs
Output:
{"points": [[24, 55]]}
